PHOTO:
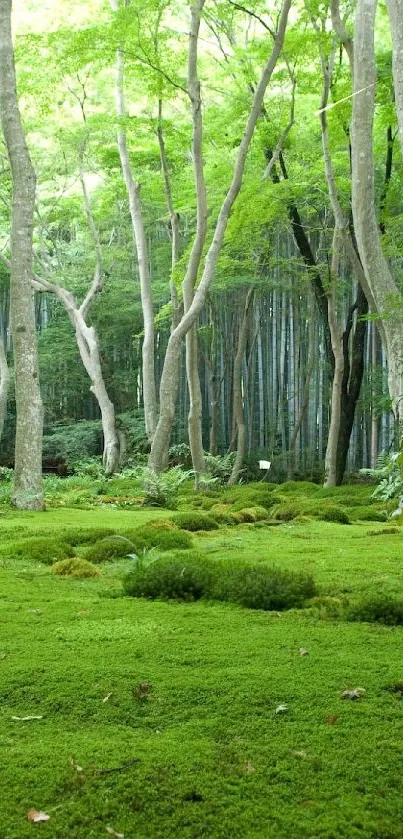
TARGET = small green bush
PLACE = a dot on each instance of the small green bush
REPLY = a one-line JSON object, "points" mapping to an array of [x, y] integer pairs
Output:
{"points": [[252, 514], [299, 487], [263, 587], [40, 549], [335, 514], [75, 567], [194, 521], [186, 577], [113, 547], [380, 609], [164, 538], [86, 536], [367, 514], [286, 512]]}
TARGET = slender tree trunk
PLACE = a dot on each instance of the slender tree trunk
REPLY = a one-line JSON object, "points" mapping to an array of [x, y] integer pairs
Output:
{"points": [[4, 385], [189, 317], [238, 399], [140, 240], [27, 490]]}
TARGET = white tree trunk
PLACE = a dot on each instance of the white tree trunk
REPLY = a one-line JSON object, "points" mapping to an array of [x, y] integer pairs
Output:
{"points": [[210, 261], [384, 291], [27, 490], [140, 240]]}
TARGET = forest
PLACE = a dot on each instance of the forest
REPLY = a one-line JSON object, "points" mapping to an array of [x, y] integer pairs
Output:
{"points": [[215, 253], [201, 417]]}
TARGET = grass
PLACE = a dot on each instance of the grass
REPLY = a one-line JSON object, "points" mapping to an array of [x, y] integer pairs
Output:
{"points": [[203, 752]]}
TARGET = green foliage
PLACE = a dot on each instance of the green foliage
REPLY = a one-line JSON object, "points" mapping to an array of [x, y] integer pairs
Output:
{"points": [[40, 549], [6, 475], [113, 547], [390, 476], [163, 490], [263, 587], [186, 577], [74, 444], [252, 514], [90, 467], [75, 567], [335, 514], [380, 609], [286, 512], [195, 521], [86, 535], [367, 514], [220, 466], [166, 538]]}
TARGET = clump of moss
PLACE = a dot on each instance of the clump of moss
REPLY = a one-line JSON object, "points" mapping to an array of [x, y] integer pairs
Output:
{"points": [[263, 587], [194, 521], [184, 577], [86, 535], [40, 549], [113, 547], [367, 514], [299, 487], [75, 567], [253, 514], [380, 609], [286, 512], [334, 514], [384, 531], [165, 538]]}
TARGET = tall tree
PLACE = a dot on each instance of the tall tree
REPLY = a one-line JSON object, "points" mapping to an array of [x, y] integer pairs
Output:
{"points": [[27, 490]]}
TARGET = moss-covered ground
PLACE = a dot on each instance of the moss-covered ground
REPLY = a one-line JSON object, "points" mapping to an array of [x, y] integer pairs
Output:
{"points": [[198, 750]]}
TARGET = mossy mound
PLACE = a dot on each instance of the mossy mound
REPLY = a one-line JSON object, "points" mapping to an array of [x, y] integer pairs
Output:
{"points": [[194, 521], [244, 496], [286, 512], [185, 577], [165, 538], [75, 567], [113, 547], [334, 514], [253, 514], [86, 535], [299, 488], [367, 514], [40, 549]]}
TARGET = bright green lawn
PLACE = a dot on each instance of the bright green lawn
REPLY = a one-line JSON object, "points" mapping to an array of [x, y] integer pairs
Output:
{"points": [[212, 757]]}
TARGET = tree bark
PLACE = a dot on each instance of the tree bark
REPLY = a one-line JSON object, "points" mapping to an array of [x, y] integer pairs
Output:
{"points": [[4, 385], [189, 317], [381, 285], [238, 400], [27, 489]]}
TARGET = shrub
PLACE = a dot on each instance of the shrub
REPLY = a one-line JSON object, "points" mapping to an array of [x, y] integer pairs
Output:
{"points": [[40, 549], [263, 587], [113, 547], [380, 609], [195, 521], [286, 512], [162, 490], [299, 487], [252, 514], [164, 538], [86, 536], [335, 514], [367, 514], [187, 577], [75, 567]]}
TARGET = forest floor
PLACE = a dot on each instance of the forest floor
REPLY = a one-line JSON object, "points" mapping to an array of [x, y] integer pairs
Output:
{"points": [[200, 751]]}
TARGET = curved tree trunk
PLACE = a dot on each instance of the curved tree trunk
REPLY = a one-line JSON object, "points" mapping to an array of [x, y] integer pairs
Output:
{"points": [[380, 282], [210, 261], [27, 490]]}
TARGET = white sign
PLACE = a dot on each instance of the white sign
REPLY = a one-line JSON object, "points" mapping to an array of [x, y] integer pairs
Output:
{"points": [[264, 464]]}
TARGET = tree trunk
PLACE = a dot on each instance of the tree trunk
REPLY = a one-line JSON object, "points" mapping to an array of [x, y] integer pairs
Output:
{"points": [[4, 385], [381, 285], [27, 489], [238, 401], [210, 261], [140, 240]]}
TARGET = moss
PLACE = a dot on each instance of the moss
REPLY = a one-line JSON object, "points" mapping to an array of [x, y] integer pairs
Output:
{"points": [[75, 567], [113, 547], [86, 535], [299, 488], [252, 514], [164, 538], [40, 549], [367, 514], [194, 521], [286, 512], [335, 514]]}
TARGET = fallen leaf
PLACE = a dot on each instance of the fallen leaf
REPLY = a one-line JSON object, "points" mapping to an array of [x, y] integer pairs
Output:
{"points": [[3, 656], [303, 651], [37, 816], [141, 691], [301, 753], [332, 720], [355, 693], [281, 709], [75, 765], [108, 696], [35, 611], [26, 719], [113, 832]]}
